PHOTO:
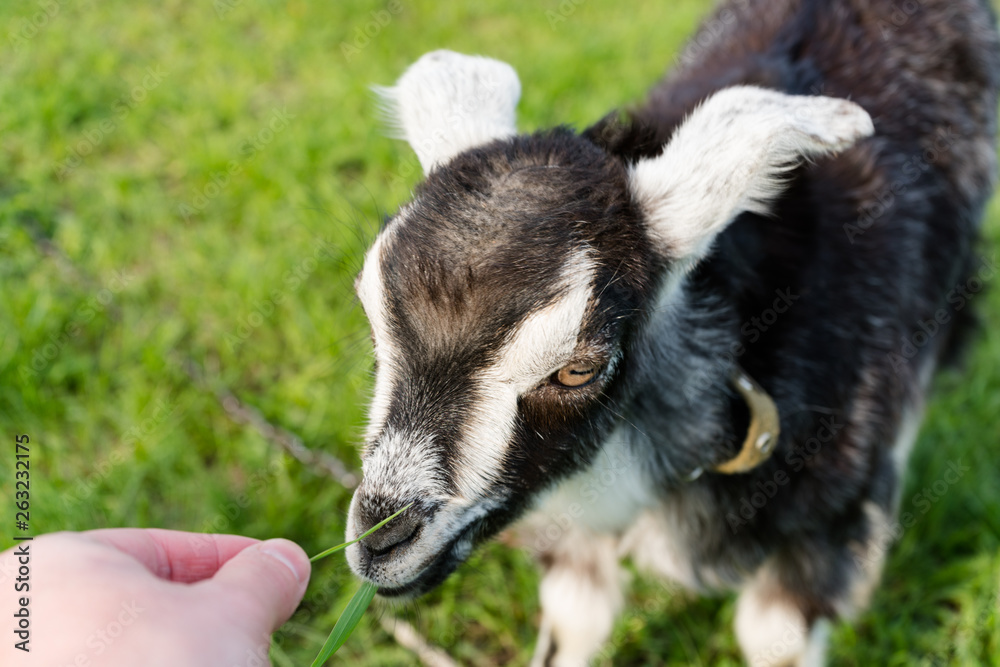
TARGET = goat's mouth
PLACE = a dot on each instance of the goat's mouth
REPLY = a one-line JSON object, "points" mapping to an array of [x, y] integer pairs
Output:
{"points": [[433, 570], [434, 573]]}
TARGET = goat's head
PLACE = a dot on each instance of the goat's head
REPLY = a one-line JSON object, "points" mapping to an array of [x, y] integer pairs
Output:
{"points": [[504, 296]]}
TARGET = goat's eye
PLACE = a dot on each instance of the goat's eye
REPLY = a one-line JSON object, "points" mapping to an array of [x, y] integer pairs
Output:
{"points": [[576, 375]]}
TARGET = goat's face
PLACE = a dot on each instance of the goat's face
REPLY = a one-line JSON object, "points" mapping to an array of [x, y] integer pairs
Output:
{"points": [[499, 298], [504, 296]]}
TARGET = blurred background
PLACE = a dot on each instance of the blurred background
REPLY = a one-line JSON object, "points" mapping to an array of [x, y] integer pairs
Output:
{"points": [[186, 192]]}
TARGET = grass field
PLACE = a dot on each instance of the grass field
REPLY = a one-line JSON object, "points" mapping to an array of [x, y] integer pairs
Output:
{"points": [[191, 185]]}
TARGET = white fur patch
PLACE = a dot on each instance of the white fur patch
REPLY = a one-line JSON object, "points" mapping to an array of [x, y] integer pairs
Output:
{"points": [[819, 637], [607, 496], [730, 155], [580, 597], [577, 615], [404, 466], [546, 339], [909, 428], [538, 347], [657, 546], [371, 293], [446, 103], [869, 559], [771, 631]]}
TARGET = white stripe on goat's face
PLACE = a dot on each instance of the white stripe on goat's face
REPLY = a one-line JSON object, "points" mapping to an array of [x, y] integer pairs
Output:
{"points": [[538, 347], [535, 349], [454, 483], [371, 294]]}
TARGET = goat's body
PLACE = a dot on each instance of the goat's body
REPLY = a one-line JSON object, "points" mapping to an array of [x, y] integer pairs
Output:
{"points": [[639, 255], [841, 304]]}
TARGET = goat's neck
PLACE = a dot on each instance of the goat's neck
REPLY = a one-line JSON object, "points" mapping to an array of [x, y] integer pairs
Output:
{"points": [[673, 414], [683, 415]]}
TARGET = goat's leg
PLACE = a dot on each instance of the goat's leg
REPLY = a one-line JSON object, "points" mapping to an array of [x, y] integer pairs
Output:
{"points": [[581, 597], [783, 614], [773, 630]]}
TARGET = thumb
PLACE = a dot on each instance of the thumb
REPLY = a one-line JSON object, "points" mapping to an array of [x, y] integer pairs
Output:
{"points": [[271, 576]]}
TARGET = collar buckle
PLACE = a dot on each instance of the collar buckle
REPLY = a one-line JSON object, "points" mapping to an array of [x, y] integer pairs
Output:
{"points": [[764, 429]]}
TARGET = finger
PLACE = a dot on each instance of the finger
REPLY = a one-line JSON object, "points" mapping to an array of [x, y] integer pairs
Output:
{"points": [[172, 554], [272, 575]]}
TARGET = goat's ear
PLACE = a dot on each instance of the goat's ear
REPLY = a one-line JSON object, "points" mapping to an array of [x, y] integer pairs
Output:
{"points": [[733, 154], [447, 102]]}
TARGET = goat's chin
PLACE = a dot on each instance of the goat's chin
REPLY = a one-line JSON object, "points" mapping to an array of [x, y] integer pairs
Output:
{"points": [[427, 580], [427, 576]]}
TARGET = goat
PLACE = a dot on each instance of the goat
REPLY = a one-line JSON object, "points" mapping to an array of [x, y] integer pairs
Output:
{"points": [[685, 327]]}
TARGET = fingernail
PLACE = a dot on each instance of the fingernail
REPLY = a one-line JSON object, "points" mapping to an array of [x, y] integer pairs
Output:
{"points": [[288, 554]]}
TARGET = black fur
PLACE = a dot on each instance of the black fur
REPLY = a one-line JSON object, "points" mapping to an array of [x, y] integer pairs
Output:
{"points": [[488, 232], [837, 352]]}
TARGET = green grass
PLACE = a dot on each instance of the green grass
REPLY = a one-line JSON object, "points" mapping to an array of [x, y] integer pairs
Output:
{"points": [[145, 254]]}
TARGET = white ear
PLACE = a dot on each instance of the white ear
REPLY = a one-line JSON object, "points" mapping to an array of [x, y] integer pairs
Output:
{"points": [[729, 156], [447, 102]]}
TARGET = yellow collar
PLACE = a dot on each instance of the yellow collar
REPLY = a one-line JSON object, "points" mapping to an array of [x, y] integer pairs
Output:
{"points": [[762, 435]]}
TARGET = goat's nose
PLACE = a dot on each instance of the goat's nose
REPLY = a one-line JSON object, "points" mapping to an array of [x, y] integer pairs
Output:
{"points": [[397, 532]]}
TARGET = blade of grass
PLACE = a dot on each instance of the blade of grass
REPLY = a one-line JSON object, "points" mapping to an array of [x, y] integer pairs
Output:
{"points": [[339, 547], [347, 622]]}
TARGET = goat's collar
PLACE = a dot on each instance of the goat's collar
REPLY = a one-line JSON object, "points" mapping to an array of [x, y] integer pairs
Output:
{"points": [[762, 435]]}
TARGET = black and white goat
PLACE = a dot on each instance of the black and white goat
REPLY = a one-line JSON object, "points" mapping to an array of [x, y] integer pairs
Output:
{"points": [[683, 328]]}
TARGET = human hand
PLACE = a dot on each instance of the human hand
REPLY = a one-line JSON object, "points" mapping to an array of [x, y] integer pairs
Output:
{"points": [[128, 597]]}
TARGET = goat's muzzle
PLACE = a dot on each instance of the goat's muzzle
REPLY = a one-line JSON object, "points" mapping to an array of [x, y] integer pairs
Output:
{"points": [[415, 551]]}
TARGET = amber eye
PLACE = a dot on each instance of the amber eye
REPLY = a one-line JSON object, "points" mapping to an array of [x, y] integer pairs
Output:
{"points": [[576, 375]]}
